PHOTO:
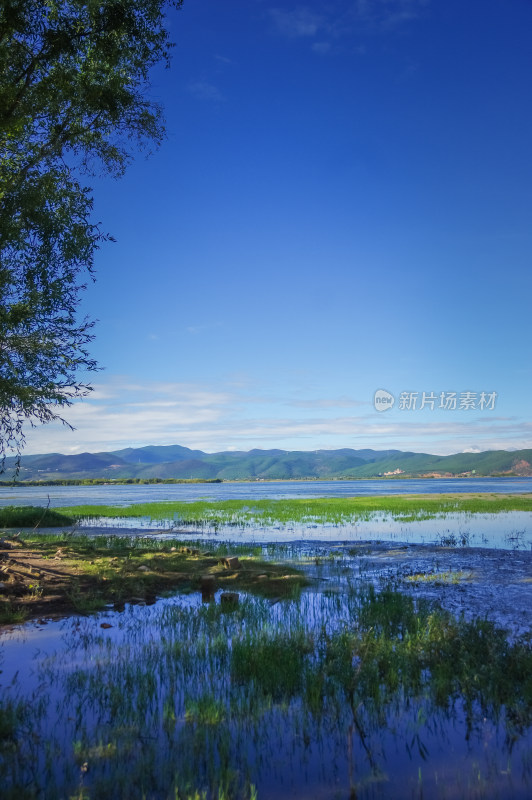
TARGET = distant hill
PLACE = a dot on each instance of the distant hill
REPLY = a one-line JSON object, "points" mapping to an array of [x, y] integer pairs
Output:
{"points": [[176, 462]]}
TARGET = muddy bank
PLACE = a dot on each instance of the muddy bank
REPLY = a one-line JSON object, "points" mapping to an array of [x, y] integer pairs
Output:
{"points": [[472, 581], [58, 576]]}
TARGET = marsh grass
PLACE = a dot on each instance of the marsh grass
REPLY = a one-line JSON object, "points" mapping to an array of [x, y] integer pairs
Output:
{"points": [[11, 718], [250, 794], [33, 516], [454, 540], [205, 710], [196, 703], [12, 613], [274, 663], [452, 577], [325, 510]]}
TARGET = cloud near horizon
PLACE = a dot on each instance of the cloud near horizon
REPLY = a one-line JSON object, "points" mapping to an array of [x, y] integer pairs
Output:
{"points": [[123, 413]]}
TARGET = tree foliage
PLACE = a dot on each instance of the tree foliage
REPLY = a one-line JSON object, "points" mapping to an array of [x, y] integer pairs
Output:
{"points": [[73, 100]]}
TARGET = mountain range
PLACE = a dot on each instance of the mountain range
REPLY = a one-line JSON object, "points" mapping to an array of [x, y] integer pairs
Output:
{"points": [[175, 462]]}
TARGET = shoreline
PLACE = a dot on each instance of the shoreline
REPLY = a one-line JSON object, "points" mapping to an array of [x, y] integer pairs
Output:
{"points": [[467, 581], [251, 481]]}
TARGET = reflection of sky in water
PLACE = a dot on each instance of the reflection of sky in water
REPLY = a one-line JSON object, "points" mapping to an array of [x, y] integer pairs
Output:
{"points": [[287, 753], [510, 530], [24, 649]]}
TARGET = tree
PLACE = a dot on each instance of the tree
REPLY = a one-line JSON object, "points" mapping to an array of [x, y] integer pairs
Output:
{"points": [[73, 99]]}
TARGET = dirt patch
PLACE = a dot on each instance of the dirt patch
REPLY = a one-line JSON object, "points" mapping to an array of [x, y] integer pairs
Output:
{"points": [[56, 577]]}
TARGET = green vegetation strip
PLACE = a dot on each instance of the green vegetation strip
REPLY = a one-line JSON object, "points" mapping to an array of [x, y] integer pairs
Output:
{"points": [[33, 517], [330, 510]]}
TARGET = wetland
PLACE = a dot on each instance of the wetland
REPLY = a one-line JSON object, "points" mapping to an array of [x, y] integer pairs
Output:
{"points": [[379, 649]]}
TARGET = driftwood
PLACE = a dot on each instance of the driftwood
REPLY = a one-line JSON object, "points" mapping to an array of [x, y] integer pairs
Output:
{"points": [[19, 572], [11, 566], [231, 562], [207, 584]]}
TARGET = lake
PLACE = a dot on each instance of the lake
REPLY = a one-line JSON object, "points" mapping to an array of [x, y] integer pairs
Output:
{"points": [[148, 493], [510, 530], [355, 688]]}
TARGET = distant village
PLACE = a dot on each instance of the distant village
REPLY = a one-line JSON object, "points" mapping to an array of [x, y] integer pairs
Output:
{"points": [[398, 471]]}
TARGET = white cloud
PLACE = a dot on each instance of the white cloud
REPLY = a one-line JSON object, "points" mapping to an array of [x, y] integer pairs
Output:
{"points": [[123, 413], [329, 402], [335, 23], [321, 47], [208, 326], [389, 13], [300, 22], [204, 90]]}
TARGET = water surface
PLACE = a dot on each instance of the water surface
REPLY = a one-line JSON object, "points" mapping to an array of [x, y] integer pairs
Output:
{"points": [[127, 494], [128, 705], [152, 702]]}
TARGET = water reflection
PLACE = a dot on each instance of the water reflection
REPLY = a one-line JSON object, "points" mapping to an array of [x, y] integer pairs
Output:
{"points": [[353, 691], [510, 530]]}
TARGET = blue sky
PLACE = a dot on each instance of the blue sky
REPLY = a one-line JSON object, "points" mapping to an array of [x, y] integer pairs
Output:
{"points": [[343, 204]]}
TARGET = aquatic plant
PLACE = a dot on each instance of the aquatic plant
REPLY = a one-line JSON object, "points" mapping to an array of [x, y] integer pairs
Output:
{"points": [[335, 691], [33, 517], [324, 510]]}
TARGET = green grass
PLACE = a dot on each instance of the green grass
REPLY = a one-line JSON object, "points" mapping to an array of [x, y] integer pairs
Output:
{"points": [[12, 613], [205, 710], [330, 510], [274, 662], [114, 569], [439, 578], [32, 517]]}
